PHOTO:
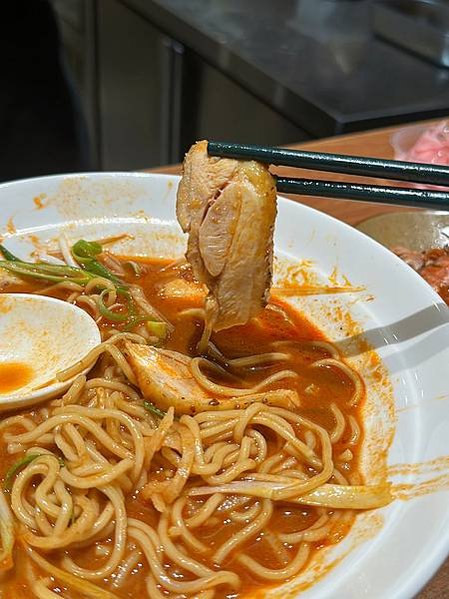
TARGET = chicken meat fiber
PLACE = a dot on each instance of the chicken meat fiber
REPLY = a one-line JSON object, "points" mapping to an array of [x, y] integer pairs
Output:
{"points": [[228, 209], [165, 378]]}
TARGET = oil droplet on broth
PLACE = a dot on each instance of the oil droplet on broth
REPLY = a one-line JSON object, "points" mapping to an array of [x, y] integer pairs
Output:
{"points": [[14, 375]]}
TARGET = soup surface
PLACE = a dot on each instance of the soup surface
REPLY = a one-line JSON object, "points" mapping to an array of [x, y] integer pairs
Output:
{"points": [[118, 527]]}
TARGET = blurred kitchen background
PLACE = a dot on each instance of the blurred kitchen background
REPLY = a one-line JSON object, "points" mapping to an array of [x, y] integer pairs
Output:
{"points": [[130, 84]]}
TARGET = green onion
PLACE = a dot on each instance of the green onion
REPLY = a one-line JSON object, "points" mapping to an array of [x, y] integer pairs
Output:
{"points": [[49, 272], [109, 314], [85, 252], [8, 255], [18, 466], [21, 464], [154, 327], [150, 407], [157, 328], [135, 321], [86, 249], [42, 270]]}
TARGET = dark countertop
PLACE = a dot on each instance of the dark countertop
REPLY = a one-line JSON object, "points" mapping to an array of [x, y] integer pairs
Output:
{"points": [[317, 62]]}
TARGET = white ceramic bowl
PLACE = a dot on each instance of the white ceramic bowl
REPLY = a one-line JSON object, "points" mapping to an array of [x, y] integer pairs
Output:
{"points": [[391, 552]]}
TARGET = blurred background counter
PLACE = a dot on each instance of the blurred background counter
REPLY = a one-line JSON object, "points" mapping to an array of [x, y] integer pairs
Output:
{"points": [[155, 75]]}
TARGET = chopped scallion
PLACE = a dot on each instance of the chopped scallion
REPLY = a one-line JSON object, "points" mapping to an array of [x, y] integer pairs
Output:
{"points": [[85, 252], [55, 273], [110, 314], [154, 327], [18, 466], [150, 407], [7, 255]]}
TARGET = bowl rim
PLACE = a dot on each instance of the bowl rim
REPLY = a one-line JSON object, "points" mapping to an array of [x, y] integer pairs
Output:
{"points": [[433, 560]]}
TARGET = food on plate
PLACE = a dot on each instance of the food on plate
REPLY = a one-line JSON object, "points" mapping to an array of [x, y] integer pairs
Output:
{"points": [[166, 473], [228, 209], [432, 265], [431, 147], [175, 468]]}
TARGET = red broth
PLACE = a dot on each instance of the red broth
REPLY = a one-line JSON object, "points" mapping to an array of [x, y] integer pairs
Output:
{"points": [[277, 322]]}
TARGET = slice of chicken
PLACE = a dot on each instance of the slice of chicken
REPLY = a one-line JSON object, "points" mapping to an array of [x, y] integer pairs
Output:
{"points": [[228, 209], [165, 378]]}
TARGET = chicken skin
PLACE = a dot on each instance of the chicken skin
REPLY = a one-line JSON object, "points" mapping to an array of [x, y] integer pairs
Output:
{"points": [[228, 208], [165, 378]]}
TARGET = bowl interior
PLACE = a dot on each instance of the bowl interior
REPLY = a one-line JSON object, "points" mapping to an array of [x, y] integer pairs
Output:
{"points": [[399, 315]]}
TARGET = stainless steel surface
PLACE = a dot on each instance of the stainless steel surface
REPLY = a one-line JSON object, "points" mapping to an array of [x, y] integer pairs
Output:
{"points": [[134, 70], [418, 25], [413, 230], [159, 74], [316, 62], [156, 97], [77, 29], [224, 110], [176, 96]]}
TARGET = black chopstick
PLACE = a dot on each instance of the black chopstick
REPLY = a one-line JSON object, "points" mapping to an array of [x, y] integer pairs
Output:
{"points": [[419, 198], [336, 163]]}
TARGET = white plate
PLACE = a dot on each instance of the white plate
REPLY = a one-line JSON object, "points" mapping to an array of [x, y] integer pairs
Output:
{"points": [[403, 318]]}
